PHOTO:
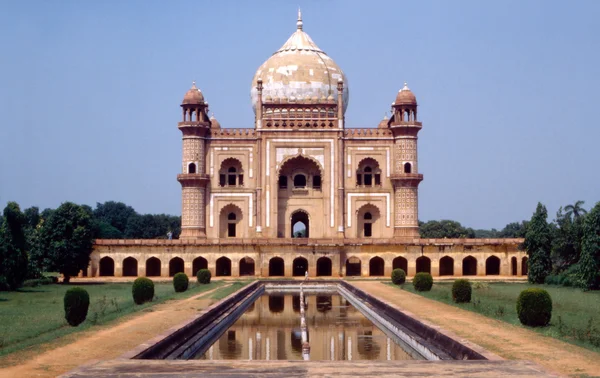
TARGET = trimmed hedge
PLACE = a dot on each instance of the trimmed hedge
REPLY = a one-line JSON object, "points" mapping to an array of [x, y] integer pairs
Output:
{"points": [[534, 307], [181, 282], [204, 276], [77, 302], [398, 276], [461, 291], [142, 290], [422, 281]]}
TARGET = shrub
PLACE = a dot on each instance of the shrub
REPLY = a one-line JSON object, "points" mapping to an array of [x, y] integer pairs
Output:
{"points": [[77, 302], [461, 291], [181, 282], [534, 307], [204, 276], [142, 290], [422, 281], [398, 276]]}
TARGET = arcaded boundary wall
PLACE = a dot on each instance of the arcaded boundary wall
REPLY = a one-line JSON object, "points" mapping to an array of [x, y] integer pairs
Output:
{"points": [[320, 257]]}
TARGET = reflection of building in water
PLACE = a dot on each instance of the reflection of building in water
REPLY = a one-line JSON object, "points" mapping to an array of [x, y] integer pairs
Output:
{"points": [[270, 330]]}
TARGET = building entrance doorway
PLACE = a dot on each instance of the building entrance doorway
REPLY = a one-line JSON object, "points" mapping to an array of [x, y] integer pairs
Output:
{"points": [[300, 224]]}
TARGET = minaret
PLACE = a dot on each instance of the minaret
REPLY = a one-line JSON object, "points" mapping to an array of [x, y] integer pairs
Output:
{"points": [[405, 177], [193, 176]]}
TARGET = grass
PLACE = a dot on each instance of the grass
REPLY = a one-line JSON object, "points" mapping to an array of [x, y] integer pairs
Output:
{"points": [[32, 316], [225, 291], [575, 313]]}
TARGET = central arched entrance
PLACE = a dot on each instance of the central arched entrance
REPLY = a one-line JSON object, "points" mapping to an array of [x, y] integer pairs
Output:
{"points": [[353, 266], [376, 266], [276, 267], [247, 266], [324, 266], [300, 267], [223, 267], [300, 224]]}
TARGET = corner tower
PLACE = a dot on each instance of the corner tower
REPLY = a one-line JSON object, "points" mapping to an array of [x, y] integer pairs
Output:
{"points": [[406, 177], [193, 176]]}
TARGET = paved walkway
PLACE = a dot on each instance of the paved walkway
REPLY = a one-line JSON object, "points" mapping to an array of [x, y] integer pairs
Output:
{"points": [[506, 340], [108, 342]]}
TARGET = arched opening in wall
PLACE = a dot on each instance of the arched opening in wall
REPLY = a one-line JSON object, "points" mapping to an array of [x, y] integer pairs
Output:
{"points": [[368, 173], [513, 266], [400, 263], [368, 221], [407, 168], [107, 267], [130, 267], [153, 267], [300, 224], [231, 173], [276, 303], [524, 266], [324, 303], [324, 267], [283, 182], [492, 266], [446, 266], [229, 221], [353, 267], [299, 181], [276, 267], [197, 264], [192, 168], [175, 266], [469, 266], [247, 266], [223, 267], [300, 267], [423, 265], [376, 266]]}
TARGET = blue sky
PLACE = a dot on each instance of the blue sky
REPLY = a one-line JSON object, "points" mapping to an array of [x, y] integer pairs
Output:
{"points": [[508, 94]]}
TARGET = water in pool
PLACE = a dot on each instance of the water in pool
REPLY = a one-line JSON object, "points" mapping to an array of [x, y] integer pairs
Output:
{"points": [[270, 330]]}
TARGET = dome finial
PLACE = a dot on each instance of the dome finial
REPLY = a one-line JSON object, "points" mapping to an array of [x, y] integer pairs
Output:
{"points": [[193, 84], [405, 87], [299, 23]]}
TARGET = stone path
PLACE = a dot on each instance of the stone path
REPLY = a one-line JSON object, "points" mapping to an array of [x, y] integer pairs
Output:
{"points": [[106, 342], [506, 340]]}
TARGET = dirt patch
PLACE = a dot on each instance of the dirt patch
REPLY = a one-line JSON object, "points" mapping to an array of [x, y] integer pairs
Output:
{"points": [[102, 343], [506, 340]]}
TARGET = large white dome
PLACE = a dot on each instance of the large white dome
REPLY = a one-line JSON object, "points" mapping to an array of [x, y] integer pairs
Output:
{"points": [[299, 69]]}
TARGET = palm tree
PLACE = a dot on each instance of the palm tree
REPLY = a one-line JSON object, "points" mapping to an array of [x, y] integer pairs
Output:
{"points": [[575, 210]]}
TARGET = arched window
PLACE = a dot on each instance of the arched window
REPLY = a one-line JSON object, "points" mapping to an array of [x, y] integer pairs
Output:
{"points": [[407, 168], [317, 182], [283, 182], [299, 181], [231, 218], [231, 173], [192, 168], [368, 173]]}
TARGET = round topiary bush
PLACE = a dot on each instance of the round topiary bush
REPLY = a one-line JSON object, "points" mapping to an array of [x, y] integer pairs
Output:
{"points": [[204, 276], [398, 276], [534, 307], [77, 302], [142, 290], [461, 291], [181, 282], [422, 281]]}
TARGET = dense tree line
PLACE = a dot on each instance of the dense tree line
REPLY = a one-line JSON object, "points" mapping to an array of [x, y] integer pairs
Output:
{"points": [[453, 229], [61, 239], [566, 251]]}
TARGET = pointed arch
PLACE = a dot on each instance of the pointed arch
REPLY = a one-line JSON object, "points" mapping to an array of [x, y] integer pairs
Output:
{"points": [[130, 267], [400, 263], [199, 263], [424, 264], [285, 163], [376, 267], [247, 266], [469, 265], [492, 266], [153, 267], [107, 267], [299, 267], [276, 267], [353, 266], [176, 265], [324, 266]]}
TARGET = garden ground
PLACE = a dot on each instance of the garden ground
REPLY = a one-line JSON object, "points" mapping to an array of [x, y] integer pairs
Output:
{"points": [[110, 340], [507, 340]]}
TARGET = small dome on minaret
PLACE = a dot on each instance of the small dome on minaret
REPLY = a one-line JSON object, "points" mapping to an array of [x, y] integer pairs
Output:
{"points": [[194, 96], [405, 97], [384, 122], [214, 124]]}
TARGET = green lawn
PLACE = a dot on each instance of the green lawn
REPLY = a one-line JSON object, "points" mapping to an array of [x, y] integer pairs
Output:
{"points": [[575, 314], [32, 316]]}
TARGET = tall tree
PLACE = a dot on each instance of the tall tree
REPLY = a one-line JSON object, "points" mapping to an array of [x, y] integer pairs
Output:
{"points": [[575, 210], [589, 265], [13, 247], [566, 243], [538, 244], [114, 213], [66, 240]]}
